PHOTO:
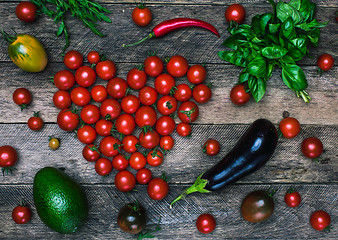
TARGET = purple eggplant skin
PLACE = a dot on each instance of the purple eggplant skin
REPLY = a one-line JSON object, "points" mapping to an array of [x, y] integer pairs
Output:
{"points": [[250, 153]]}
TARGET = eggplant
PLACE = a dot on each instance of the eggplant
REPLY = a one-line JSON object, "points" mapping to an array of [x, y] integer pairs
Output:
{"points": [[250, 153]]}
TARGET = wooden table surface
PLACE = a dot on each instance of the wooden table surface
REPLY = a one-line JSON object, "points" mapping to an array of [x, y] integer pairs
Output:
{"points": [[219, 119]]}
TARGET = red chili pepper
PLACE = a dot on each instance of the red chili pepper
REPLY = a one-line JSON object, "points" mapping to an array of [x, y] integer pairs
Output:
{"points": [[168, 26]]}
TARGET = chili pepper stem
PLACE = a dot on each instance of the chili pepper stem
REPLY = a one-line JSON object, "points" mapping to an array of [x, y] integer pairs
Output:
{"points": [[151, 35]]}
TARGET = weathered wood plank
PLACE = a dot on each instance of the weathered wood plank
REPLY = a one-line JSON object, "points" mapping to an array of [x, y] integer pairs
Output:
{"points": [[220, 110], [179, 222], [123, 31], [184, 163]]}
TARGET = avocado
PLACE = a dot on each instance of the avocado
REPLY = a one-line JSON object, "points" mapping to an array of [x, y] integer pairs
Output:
{"points": [[60, 202]]}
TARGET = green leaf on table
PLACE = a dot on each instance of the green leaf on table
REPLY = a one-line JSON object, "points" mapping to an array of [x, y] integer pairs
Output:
{"points": [[297, 48], [255, 24], [244, 77], [257, 67], [313, 36], [234, 28], [274, 52], [264, 20], [234, 57], [271, 67], [60, 29], [313, 24], [295, 4], [287, 59], [288, 28], [257, 87], [234, 41], [284, 11], [274, 28], [294, 77]]}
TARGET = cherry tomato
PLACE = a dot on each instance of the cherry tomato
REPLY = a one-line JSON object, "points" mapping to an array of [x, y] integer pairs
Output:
{"points": [[103, 127], [130, 104], [125, 124], [85, 76], [86, 134], [21, 214], [64, 79], [136, 78], [103, 166], [143, 176], [110, 108], [22, 97], [183, 92], [206, 223], [90, 114], [188, 112], [201, 93], [62, 100], [177, 66], [141, 15], [235, 12], [183, 129], [93, 57], [125, 181], [157, 189], [54, 143], [73, 60], [130, 143], [110, 146], [320, 220], [8, 156], [106, 70], [153, 66], [137, 160], [147, 95], [67, 120], [164, 83], [35, 123], [167, 142], [166, 105], [99, 93], [312, 147], [26, 11], [132, 218], [91, 153], [145, 116], [155, 159], [325, 62], [80, 96], [211, 147], [117, 88], [196, 74], [165, 125], [149, 139], [120, 162], [290, 127], [238, 95], [292, 198]]}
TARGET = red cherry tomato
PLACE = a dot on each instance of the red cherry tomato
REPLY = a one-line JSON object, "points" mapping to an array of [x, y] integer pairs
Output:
{"points": [[143, 176], [110, 108], [35, 123], [211, 147], [183, 92], [64, 79], [137, 160], [201, 93], [125, 124], [62, 100], [73, 59], [157, 189], [130, 143], [130, 104], [165, 125], [238, 95], [67, 120], [136, 78], [188, 112], [117, 88], [91, 153], [106, 70], [26, 11], [147, 95], [153, 66], [141, 15], [86, 134], [80, 96], [206, 223], [103, 166], [155, 159], [166, 105], [320, 220], [8, 156], [164, 83], [120, 162], [167, 142], [235, 12], [22, 97], [177, 66], [145, 116], [325, 62], [149, 139], [292, 198], [196, 74], [85, 76], [312, 147], [183, 129], [110, 146], [125, 181], [21, 214], [99, 93], [90, 114], [93, 57], [103, 127], [290, 127]]}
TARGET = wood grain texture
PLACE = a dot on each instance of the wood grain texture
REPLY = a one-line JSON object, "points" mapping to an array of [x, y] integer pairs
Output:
{"points": [[219, 110], [179, 222], [184, 163]]}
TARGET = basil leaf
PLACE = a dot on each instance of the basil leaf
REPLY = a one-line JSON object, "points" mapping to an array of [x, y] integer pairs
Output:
{"points": [[264, 20], [313, 36], [257, 67], [294, 77], [295, 4], [274, 52], [60, 29], [244, 77], [311, 12], [273, 28], [272, 39], [234, 57], [255, 23], [257, 87], [305, 9], [234, 41], [315, 24], [284, 11], [297, 48], [287, 59], [271, 66], [244, 29], [288, 28]]}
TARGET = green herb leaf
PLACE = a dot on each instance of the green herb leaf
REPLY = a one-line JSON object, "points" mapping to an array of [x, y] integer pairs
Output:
{"points": [[257, 67], [235, 40], [255, 23], [295, 4], [313, 36], [257, 87], [287, 59], [273, 28], [274, 52], [234, 57], [244, 77], [284, 11], [244, 29], [60, 29], [288, 28], [294, 77], [297, 48], [264, 20]]}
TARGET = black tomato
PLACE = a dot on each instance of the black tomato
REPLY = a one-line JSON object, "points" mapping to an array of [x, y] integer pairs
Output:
{"points": [[132, 218]]}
